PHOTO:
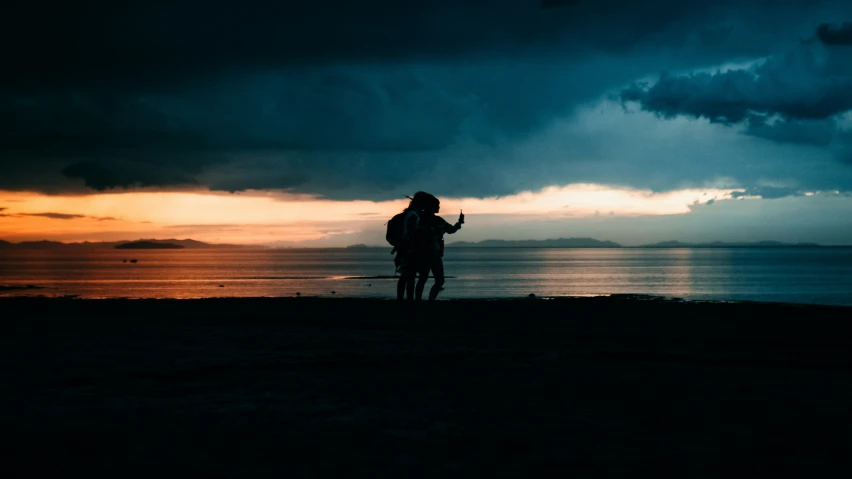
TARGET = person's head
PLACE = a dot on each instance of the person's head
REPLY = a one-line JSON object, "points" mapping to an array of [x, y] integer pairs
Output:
{"points": [[420, 201], [431, 204]]}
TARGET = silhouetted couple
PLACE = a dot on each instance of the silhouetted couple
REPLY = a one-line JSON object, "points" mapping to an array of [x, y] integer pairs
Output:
{"points": [[420, 245]]}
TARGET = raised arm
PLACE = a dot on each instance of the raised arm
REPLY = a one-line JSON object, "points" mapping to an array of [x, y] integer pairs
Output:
{"points": [[448, 228]]}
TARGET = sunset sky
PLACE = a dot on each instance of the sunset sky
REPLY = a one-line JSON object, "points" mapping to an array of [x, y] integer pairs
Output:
{"points": [[307, 123]]}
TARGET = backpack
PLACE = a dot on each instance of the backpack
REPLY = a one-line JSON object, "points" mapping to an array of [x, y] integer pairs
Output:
{"points": [[395, 227]]}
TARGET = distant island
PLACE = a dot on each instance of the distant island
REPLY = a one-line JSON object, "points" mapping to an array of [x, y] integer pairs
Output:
{"points": [[144, 243], [720, 244], [148, 245], [593, 243], [489, 243], [549, 243]]}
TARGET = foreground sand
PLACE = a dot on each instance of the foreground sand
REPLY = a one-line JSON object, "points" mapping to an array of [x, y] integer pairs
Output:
{"points": [[590, 387]]}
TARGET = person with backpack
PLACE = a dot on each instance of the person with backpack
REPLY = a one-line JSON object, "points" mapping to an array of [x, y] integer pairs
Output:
{"points": [[400, 234], [429, 246]]}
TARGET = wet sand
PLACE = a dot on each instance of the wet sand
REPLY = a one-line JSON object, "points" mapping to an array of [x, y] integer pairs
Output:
{"points": [[267, 387]]}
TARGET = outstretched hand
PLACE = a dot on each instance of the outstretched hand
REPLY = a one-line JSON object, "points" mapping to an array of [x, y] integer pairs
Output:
{"points": [[461, 217]]}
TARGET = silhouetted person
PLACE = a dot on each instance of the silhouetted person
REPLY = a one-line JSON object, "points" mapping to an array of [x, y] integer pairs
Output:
{"points": [[429, 246], [405, 255]]}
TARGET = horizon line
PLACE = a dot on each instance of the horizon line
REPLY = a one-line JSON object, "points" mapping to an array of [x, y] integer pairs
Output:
{"points": [[466, 244]]}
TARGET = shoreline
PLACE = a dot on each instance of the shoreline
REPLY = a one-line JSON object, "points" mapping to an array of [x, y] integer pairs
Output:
{"points": [[272, 386], [11, 293]]}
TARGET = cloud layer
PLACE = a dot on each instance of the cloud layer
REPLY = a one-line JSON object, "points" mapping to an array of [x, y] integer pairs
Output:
{"points": [[375, 99], [802, 96], [810, 83], [62, 216], [835, 34]]}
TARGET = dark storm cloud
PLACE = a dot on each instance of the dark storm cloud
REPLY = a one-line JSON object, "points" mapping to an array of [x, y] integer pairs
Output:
{"points": [[241, 177], [769, 192], [805, 132], [835, 34], [360, 99], [325, 108], [558, 3], [843, 146], [102, 175], [117, 140], [139, 41], [808, 84], [799, 97]]}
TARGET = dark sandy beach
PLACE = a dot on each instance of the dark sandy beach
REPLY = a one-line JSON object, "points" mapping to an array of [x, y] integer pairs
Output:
{"points": [[588, 387]]}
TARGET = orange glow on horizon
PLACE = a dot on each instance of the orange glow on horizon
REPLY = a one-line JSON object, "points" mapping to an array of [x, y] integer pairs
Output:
{"points": [[265, 217]]}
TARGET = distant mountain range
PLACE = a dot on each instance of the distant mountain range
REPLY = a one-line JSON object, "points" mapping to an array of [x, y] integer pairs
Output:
{"points": [[549, 243], [593, 243], [148, 245], [138, 244], [719, 244]]}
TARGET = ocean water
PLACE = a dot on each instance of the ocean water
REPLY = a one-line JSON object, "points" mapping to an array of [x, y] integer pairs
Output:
{"points": [[819, 275]]}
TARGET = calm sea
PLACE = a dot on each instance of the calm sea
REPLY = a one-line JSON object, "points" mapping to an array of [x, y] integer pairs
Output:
{"points": [[789, 275]]}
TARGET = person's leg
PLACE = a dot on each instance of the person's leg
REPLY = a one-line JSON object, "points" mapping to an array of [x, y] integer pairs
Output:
{"points": [[423, 276], [400, 287], [438, 272], [409, 286], [407, 273], [401, 268]]}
